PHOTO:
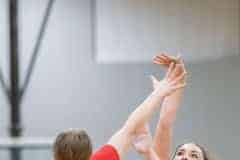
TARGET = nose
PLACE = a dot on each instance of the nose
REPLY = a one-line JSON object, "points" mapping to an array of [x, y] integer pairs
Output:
{"points": [[184, 158]]}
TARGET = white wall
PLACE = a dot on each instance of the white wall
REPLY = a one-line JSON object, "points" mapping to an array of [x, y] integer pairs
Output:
{"points": [[134, 30], [68, 88]]}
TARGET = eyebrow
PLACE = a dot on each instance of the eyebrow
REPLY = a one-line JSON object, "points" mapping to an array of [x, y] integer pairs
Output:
{"points": [[195, 152], [181, 150]]}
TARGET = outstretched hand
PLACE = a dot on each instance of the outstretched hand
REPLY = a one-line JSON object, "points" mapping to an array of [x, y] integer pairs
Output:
{"points": [[171, 82], [165, 61]]}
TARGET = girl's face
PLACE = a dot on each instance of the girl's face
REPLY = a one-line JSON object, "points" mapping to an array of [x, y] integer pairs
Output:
{"points": [[189, 151]]}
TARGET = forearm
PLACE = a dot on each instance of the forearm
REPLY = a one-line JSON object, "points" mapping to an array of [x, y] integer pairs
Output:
{"points": [[144, 112], [123, 139], [163, 135], [162, 141], [170, 107]]}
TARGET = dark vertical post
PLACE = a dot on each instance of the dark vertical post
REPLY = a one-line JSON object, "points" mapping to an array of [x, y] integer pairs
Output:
{"points": [[15, 116]]}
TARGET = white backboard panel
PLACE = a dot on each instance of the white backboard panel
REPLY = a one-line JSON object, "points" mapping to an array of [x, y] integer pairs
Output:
{"points": [[135, 30]]}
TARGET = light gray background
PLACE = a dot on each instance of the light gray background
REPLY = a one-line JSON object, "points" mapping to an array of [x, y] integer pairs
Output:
{"points": [[134, 30], [69, 89]]}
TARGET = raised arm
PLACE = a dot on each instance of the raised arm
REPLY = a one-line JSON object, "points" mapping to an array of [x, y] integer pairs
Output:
{"points": [[164, 130], [123, 139], [163, 136]]}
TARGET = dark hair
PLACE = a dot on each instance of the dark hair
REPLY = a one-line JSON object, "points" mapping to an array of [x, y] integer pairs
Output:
{"points": [[204, 151], [72, 145]]}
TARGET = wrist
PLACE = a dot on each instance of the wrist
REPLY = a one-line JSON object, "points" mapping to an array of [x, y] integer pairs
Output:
{"points": [[159, 93]]}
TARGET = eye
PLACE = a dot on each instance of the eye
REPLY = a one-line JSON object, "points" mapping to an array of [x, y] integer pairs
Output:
{"points": [[179, 153], [195, 156]]}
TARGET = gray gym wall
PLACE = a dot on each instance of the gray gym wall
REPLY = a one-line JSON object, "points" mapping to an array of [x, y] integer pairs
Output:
{"points": [[70, 90]]}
